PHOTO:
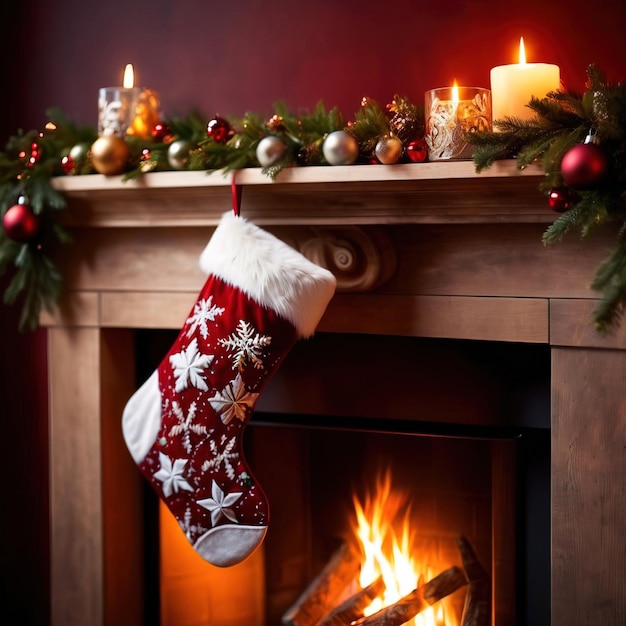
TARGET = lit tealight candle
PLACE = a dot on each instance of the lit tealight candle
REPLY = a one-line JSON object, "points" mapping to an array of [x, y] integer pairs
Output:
{"points": [[513, 86], [451, 113], [127, 110]]}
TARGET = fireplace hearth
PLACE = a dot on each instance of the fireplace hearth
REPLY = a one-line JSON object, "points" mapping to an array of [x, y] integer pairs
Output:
{"points": [[464, 425], [444, 264]]}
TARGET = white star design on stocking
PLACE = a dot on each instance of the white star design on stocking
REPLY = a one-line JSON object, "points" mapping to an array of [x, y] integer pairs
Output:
{"points": [[172, 475], [219, 504], [233, 401]]}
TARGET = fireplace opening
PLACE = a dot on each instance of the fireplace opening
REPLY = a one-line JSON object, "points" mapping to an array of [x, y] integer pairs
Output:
{"points": [[463, 428]]}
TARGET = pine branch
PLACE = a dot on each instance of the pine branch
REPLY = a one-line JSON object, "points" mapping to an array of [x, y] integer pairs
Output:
{"points": [[558, 110], [370, 124], [38, 280], [610, 280], [239, 151], [582, 216], [514, 135]]}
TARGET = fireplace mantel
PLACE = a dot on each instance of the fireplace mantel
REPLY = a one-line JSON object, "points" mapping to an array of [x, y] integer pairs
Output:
{"points": [[433, 250], [368, 194]]}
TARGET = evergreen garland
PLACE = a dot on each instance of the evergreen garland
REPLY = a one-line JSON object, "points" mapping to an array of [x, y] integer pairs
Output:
{"points": [[561, 121], [30, 160], [26, 166]]}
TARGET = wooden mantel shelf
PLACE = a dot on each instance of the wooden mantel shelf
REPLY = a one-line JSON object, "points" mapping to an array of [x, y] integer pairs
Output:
{"points": [[442, 192]]}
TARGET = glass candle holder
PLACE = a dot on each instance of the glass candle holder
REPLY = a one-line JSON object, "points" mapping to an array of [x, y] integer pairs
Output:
{"points": [[127, 111], [452, 113]]}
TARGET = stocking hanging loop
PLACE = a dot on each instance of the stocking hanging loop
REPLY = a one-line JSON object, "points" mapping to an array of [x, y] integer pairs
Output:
{"points": [[236, 193]]}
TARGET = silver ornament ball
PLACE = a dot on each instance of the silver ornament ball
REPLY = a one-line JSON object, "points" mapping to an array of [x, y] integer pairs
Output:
{"points": [[340, 148], [270, 151], [79, 153], [178, 154]]}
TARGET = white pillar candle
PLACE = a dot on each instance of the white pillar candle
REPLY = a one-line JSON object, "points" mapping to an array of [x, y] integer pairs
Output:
{"points": [[513, 86]]}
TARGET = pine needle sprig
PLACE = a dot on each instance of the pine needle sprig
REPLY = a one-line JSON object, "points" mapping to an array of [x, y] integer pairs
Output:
{"points": [[274, 170], [369, 125], [313, 126], [305, 133], [238, 152], [587, 215], [558, 110], [513, 137], [190, 128], [37, 279], [610, 280]]}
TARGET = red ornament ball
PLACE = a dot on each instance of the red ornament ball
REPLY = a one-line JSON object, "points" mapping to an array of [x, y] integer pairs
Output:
{"points": [[561, 199], [219, 129], [162, 133], [20, 223], [417, 150], [68, 165], [584, 166]]}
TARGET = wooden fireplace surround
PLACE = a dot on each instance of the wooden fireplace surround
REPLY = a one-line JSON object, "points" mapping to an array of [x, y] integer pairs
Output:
{"points": [[428, 250]]}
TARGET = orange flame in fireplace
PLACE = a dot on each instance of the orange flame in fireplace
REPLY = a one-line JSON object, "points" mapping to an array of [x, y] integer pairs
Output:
{"points": [[391, 554]]}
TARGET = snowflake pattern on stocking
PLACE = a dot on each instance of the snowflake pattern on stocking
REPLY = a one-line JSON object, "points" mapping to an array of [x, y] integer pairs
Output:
{"points": [[224, 456], [190, 529], [185, 425], [214, 459], [204, 311], [247, 345]]}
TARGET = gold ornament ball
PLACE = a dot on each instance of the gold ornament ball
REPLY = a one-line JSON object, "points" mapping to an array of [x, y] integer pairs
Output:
{"points": [[388, 149], [110, 155]]}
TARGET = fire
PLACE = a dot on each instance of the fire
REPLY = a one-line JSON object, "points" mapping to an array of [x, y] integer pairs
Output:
{"points": [[390, 554]]}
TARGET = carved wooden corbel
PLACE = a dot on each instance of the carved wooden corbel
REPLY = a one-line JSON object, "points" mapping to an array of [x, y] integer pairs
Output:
{"points": [[361, 258]]}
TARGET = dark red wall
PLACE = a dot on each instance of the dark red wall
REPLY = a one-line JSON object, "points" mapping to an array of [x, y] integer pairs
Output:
{"points": [[243, 55], [229, 58]]}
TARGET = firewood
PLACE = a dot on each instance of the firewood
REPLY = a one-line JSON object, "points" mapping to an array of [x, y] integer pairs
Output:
{"points": [[415, 602], [352, 608], [322, 594], [477, 609]]}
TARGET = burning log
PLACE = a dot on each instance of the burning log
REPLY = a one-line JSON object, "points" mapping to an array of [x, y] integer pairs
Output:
{"points": [[477, 609], [321, 596], [421, 598], [352, 608]]}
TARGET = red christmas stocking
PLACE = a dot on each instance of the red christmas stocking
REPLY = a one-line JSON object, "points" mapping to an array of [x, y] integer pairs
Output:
{"points": [[184, 425]]}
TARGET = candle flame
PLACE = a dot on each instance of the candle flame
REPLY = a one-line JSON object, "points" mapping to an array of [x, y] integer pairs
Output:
{"points": [[455, 94], [129, 76], [522, 52]]}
